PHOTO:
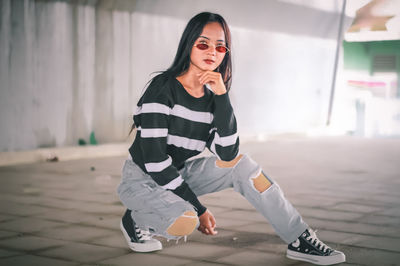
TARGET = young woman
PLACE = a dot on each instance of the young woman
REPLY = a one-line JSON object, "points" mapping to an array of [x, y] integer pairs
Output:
{"points": [[184, 110]]}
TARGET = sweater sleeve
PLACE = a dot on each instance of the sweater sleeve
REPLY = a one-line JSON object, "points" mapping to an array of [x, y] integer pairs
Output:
{"points": [[224, 140], [151, 119]]}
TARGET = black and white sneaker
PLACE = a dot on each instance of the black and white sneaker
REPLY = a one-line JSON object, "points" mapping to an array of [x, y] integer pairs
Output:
{"points": [[138, 240], [309, 248]]}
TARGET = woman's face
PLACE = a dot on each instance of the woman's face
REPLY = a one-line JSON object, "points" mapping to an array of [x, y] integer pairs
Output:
{"points": [[208, 59]]}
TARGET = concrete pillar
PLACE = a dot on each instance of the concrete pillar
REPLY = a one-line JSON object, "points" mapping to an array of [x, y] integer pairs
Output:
{"points": [[83, 90], [112, 99], [6, 120]]}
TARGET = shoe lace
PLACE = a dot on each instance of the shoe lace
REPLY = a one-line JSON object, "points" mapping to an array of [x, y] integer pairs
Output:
{"points": [[142, 234], [316, 242]]}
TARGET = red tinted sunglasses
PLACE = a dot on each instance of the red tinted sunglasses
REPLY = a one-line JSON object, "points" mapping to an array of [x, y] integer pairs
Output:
{"points": [[218, 48]]}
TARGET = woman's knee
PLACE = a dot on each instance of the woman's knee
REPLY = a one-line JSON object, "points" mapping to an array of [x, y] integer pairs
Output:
{"points": [[247, 169], [184, 224], [261, 182]]}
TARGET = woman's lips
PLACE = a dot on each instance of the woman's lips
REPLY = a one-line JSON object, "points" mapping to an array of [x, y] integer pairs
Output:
{"points": [[209, 61]]}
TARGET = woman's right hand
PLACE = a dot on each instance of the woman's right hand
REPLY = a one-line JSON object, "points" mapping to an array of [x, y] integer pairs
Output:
{"points": [[207, 223]]}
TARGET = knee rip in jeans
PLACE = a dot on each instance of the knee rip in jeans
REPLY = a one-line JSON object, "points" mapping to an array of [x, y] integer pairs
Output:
{"points": [[228, 164], [261, 182], [184, 224]]}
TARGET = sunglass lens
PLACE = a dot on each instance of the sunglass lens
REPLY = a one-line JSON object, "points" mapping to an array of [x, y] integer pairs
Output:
{"points": [[202, 46], [221, 49]]}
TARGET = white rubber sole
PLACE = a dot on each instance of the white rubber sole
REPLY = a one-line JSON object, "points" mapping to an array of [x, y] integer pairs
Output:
{"points": [[339, 257], [148, 246]]}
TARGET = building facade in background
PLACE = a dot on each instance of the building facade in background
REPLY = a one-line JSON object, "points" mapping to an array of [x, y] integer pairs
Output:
{"points": [[72, 68], [371, 70]]}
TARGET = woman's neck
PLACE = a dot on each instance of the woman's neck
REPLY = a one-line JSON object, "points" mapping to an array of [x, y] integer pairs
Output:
{"points": [[190, 82]]}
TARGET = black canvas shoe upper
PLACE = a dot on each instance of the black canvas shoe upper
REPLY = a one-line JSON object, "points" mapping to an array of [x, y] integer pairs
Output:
{"points": [[308, 243], [136, 235]]}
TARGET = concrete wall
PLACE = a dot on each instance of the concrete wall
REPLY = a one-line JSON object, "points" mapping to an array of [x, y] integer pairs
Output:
{"points": [[68, 68]]}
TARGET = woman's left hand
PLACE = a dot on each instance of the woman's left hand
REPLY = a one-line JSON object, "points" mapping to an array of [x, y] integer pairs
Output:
{"points": [[214, 79], [207, 223]]}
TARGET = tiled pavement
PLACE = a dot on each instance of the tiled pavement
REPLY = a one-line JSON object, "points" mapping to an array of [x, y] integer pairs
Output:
{"points": [[67, 213]]}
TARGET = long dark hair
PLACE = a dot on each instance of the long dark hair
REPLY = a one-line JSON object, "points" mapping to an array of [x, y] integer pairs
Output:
{"points": [[190, 34]]}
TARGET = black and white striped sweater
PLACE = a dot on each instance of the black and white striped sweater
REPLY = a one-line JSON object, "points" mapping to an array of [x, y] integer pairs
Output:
{"points": [[174, 126]]}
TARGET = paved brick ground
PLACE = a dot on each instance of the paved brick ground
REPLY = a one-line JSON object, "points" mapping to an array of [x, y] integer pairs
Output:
{"points": [[64, 213]]}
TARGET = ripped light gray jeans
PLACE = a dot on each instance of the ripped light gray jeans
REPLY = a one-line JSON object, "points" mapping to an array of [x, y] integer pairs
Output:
{"points": [[155, 209]]}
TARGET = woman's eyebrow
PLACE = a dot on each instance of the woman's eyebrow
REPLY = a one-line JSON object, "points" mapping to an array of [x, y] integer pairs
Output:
{"points": [[201, 36]]}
